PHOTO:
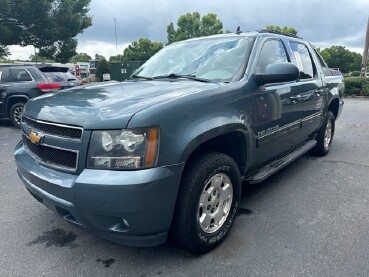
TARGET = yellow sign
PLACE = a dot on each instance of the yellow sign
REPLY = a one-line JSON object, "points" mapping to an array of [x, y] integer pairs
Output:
{"points": [[34, 138]]}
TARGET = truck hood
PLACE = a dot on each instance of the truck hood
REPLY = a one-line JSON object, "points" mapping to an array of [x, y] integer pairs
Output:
{"points": [[108, 105]]}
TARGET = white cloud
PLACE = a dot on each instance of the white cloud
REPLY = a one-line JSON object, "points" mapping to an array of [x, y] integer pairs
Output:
{"points": [[323, 22], [99, 47], [21, 53]]}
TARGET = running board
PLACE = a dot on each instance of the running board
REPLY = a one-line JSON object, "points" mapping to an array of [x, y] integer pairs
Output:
{"points": [[276, 165]]}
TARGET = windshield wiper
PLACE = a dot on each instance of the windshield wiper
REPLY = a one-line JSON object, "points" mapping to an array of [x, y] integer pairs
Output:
{"points": [[187, 76], [135, 76]]}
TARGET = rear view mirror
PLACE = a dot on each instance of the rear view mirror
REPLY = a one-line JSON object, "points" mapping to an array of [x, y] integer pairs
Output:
{"points": [[278, 73]]}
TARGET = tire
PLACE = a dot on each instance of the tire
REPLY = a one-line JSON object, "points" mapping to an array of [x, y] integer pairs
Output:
{"points": [[207, 202], [15, 114], [325, 136]]}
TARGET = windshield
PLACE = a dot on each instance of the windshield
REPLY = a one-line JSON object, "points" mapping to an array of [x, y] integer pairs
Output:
{"points": [[215, 59]]}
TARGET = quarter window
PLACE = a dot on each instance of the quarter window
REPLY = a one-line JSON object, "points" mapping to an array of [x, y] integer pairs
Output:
{"points": [[303, 60], [20, 75], [272, 52]]}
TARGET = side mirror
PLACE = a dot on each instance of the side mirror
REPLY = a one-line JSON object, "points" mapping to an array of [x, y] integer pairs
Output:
{"points": [[278, 73]]}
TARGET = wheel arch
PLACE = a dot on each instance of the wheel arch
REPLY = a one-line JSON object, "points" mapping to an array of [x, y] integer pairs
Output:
{"points": [[13, 100], [334, 106], [233, 141]]}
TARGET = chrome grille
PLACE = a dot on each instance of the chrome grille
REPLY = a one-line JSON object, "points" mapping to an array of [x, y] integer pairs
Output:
{"points": [[70, 132], [53, 156]]}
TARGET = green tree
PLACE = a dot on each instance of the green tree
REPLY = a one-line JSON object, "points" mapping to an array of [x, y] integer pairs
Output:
{"points": [[102, 68], [117, 58], [141, 50], [4, 51], [80, 57], [49, 25], [342, 58], [99, 57], [60, 51], [39, 59], [192, 25], [285, 30]]}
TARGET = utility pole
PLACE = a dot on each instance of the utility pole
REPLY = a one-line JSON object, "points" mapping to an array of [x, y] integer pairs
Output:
{"points": [[116, 38], [364, 62]]}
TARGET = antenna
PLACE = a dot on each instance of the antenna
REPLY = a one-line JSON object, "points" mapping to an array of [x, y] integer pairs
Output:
{"points": [[238, 30]]}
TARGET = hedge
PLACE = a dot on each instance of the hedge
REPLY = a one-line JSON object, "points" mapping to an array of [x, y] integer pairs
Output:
{"points": [[358, 86]]}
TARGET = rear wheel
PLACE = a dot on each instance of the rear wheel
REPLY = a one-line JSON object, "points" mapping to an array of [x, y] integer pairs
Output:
{"points": [[325, 136], [207, 203], [16, 112]]}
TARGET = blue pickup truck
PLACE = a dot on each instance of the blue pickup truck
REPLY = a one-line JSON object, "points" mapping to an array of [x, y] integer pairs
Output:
{"points": [[164, 153]]}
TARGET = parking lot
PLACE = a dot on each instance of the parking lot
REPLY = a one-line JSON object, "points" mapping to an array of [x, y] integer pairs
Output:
{"points": [[309, 219]]}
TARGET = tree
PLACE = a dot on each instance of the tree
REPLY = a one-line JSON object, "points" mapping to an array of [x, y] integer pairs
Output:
{"points": [[49, 25], [39, 59], [102, 68], [192, 25], [80, 57], [342, 58], [284, 30], [99, 57], [60, 51], [4, 51], [141, 50], [117, 58]]}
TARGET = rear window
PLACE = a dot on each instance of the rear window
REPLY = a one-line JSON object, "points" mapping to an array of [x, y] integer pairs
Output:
{"points": [[60, 76], [303, 60]]}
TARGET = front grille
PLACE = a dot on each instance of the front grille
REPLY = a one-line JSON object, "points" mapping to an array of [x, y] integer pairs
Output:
{"points": [[52, 156], [51, 128]]}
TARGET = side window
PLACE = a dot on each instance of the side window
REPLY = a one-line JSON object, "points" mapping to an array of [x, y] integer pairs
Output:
{"points": [[20, 75], [4, 74], [303, 60], [325, 68], [272, 51]]}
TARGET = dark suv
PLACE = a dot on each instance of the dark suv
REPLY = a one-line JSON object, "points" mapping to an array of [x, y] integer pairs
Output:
{"points": [[18, 84]]}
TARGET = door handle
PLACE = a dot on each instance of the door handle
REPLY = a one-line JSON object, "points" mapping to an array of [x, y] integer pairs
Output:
{"points": [[295, 98], [4, 86]]}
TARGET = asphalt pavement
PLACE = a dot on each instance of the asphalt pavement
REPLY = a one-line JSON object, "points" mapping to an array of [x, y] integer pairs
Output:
{"points": [[309, 219]]}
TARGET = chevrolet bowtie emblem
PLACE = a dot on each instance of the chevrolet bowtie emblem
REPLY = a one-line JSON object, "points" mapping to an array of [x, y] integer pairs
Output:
{"points": [[34, 138]]}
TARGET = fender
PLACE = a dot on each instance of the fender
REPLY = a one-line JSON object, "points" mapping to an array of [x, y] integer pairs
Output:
{"points": [[8, 100]]}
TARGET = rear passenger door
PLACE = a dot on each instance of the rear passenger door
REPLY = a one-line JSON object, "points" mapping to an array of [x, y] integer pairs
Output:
{"points": [[20, 80], [4, 88], [311, 90], [275, 113]]}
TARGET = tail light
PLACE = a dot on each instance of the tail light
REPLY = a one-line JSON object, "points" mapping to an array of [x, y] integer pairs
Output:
{"points": [[49, 87]]}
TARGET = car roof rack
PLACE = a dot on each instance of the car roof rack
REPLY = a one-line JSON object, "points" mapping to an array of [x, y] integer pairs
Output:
{"points": [[278, 33]]}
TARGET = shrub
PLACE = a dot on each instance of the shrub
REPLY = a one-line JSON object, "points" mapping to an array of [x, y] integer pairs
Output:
{"points": [[357, 86], [355, 73]]}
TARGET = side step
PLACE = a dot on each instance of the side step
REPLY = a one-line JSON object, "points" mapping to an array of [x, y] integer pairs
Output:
{"points": [[276, 165]]}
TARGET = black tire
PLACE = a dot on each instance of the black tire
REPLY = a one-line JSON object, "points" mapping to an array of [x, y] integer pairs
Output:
{"points": [[323, 146], [15, 114], [186, 229]]}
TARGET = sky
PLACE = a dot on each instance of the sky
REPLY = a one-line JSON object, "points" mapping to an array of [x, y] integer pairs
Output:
{"points": [[321, 22]]}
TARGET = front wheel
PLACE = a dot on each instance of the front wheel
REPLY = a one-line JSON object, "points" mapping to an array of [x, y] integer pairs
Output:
{"points": [[207, 203], [325, 136], [16, 112]]}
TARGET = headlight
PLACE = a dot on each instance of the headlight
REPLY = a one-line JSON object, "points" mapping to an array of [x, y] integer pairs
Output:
{"points": [[124, 149]]}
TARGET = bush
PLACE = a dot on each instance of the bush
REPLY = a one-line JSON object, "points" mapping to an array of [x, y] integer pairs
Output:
{"points": [[357, 86], [355, 73]]}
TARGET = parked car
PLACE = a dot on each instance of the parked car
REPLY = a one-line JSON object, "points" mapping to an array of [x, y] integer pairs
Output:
{"points": [[18, 84], [165, 152], [60, 75]]}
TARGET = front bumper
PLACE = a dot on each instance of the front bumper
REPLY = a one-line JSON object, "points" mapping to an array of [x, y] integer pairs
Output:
{"points": [[134, 208]]}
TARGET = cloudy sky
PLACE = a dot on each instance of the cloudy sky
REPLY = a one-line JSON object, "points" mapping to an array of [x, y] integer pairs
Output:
{"points": [[322, 22]]}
